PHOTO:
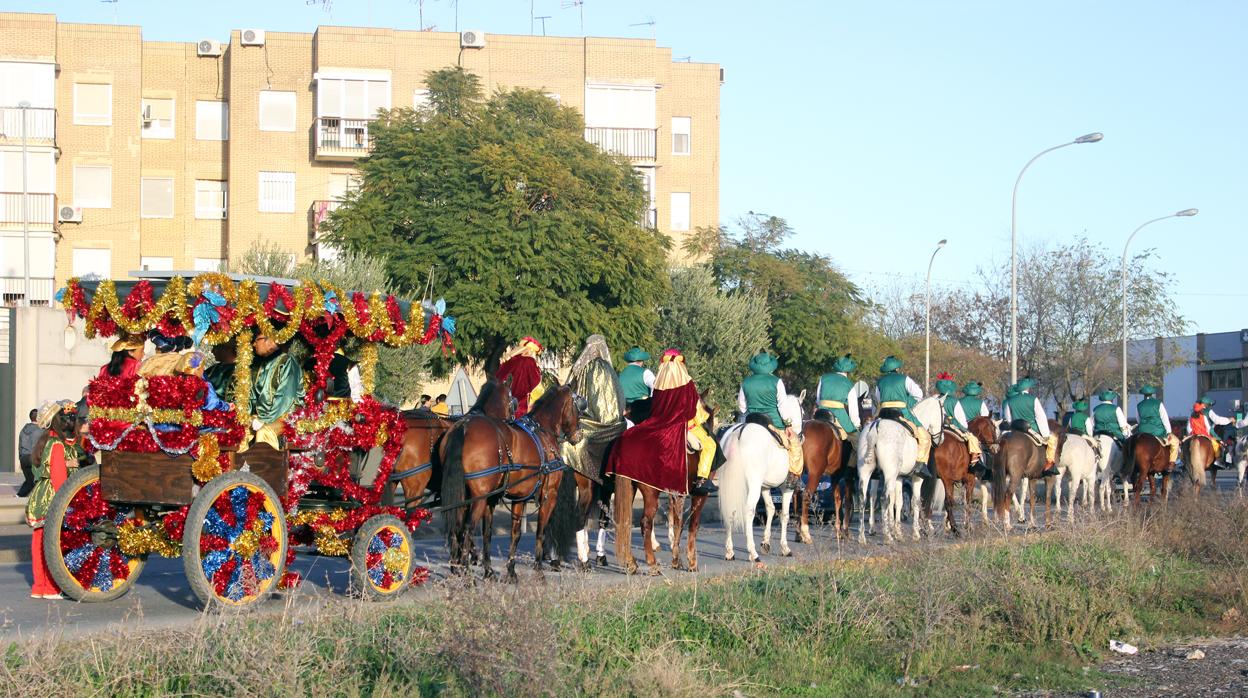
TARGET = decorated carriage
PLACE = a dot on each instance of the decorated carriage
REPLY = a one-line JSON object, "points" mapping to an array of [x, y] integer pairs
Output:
{"points": [[235, 473]]}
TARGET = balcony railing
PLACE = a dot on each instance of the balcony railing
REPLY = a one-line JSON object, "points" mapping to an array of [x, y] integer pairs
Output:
{"points": [[341, 139], [12, 290], [320, 213], [40, 125], [635, 143], [651, 221], [40, 211]]}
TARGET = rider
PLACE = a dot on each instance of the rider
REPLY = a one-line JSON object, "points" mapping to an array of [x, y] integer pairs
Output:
{"points": [[1155, 420], [973, 403], [526, 377], [895, 394], [1108, 419], [1025, 412], [761, 393], [1203, 420], [653, 452], [705, 444], [955, 417], [839, 395], [1081, 424], [636, 380]]}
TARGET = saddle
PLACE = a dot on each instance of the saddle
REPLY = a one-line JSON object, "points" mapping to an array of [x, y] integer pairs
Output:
{"points": [[956, 433], [763, 420], [898, 416]]}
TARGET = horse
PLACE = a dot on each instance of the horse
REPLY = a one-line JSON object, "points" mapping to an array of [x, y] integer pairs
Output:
{"points": [[754, 462], [887, 445], [1150, 456], [1019, 462], [1077, 459], [676, 502], [486, 460], [824, 453], [951, 463], [1241, 460], [418, 463], [1108, 467], [1198, 456]]}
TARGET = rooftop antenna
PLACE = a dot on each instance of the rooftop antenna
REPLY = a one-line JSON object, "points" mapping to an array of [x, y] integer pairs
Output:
{"points": [[543, 18], [580, 6], [326, 5], [648, 23], [114, 4], [420, 13], [684, 59]]}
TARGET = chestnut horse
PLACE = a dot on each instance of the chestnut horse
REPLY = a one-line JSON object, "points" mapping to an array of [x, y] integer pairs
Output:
{"points": [[1150, 457], [486, 460], [825, 454], [418, 464], [676, 503], [951, 463], [1018, 460], [1198, 456]]}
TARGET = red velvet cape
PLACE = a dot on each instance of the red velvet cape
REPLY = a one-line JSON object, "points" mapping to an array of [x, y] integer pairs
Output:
{"points": [[525, 376], [653, 452]]}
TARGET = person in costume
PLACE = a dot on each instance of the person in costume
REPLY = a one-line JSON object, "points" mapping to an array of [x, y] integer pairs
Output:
{"points": [[705, 445], [839, 395], [896, 393], [653, 452], [1108, 419], [1081, 424], [221, 374], [1025, 412], [1155, 420], [56, 455], [344, 378], [973, 402], [636, 380], [955, 417], [276, 389], [124, 363], [1202, 421], [526, 377], [761, 393]]}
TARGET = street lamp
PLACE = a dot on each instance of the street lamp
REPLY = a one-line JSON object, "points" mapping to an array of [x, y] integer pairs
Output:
{"points": [[927, 351], [1089, 138], [23, 106], [1185, 213]]}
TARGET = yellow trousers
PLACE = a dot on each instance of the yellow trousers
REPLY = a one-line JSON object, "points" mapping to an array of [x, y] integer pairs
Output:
{"points": [[972, 442], [797, 462], [924, 439], [706, 454], [1173, 443], [1050, 448]]}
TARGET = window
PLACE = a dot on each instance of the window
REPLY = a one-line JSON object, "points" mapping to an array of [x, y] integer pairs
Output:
{"points": [[354, 98], [28, 82], [156, 197], [208, 264], [277, 192], [90, 262], [40, 172], [157, 118], [619, 106], [680, 135], [1222, 379], [420, 99], [212, 121], [156, 263], [93, 186], [343, 183], [210, 199], [680, 210], [93, 104], [277, 111]]}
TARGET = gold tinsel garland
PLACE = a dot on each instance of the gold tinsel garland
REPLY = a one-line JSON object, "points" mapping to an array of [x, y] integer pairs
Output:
{"points": [[335, 411], [242, 377], [327, 540], [171, 303], [135, 541], [207, 465], [368, 367], [134, 415]]}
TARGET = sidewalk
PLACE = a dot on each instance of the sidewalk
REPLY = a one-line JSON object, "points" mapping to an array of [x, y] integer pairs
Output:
{"points": [[14, 533]]}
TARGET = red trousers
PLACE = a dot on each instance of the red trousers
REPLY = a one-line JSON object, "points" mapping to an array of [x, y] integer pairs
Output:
{"points": [[43, 579]]}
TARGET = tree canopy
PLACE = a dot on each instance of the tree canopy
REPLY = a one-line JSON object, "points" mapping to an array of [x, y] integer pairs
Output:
{"points": [[526, 228]]}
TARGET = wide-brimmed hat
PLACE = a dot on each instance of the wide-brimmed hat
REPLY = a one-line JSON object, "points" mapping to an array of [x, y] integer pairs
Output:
{"points": [[636, 354], [972, 389], [1148, 390], [891, 363], [1026, 383], [1206, 401], [763, 362], [1107, 396], [49, 410], [128, 343], [844, 364], [1080, 405]]}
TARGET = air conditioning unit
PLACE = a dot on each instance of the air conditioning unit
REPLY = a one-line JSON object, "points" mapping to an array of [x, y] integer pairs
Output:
{"points": [[147, 115], [472, 39], [253, 37], [210, 48], [69, 214]]}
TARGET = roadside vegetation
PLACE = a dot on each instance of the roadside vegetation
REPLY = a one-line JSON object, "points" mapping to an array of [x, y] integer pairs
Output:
{"points": [[972, 619]]}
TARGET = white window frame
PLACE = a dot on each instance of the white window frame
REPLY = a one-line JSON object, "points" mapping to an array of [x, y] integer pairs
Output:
{"points": [[212, 213], [224, 108], [272, 177], [93, 203], [156, 263], [155, 129], [682, 126], [143, 197], [675, 224], [294, 111], [420, 99], [83, 119], [329, 82], [75, 259]]}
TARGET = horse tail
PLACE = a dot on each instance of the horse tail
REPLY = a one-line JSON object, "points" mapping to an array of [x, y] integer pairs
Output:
{"points": [[454, 486], [624, 518], [998, 479], [732, 488], [566, 518]]}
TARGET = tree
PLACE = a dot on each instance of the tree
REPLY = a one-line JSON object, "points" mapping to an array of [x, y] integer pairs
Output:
{"points": [[528, 228], [716, 329]]}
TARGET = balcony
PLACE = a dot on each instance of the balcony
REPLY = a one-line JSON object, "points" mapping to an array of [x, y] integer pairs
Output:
{"points": [[11, 290], [40, 211], [632, 143], [651, 221], [40, 126], [341, 140]]}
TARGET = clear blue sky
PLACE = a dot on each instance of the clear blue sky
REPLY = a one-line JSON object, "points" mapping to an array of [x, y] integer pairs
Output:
{"points": [[877, 127]]}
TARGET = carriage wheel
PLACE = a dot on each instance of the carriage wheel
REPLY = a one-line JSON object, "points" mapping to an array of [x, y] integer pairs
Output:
{"points": [[382, 558], [80, 541], [234, 547]]}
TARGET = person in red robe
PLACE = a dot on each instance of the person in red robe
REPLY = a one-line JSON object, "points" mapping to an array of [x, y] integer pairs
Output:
{"points": [[653, 452], [526, 377], [127, 353]]}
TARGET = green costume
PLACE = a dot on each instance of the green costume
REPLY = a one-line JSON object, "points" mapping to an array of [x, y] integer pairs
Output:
{"points": [[277, 387], [972, 402], [834, 389], [1149, 411], [893, 390], [760, 391], [1079, 419], [1022, 405], [1105, 416], [947, 388], [41, 494], [221, 377], [633, 377]]}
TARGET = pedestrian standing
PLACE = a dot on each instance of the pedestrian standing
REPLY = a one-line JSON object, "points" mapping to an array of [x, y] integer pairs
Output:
{"points": [[26, 441], [58, 454]]}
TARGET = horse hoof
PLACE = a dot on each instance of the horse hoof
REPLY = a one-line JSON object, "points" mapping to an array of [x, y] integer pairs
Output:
{"points": [[765, 547], [785, 552], [805, 538], [676, 564], [630, 568], [490, 575], [654, 571], [756, 559], [693, 567], [602, 560], [584, 566], [729, 555]]}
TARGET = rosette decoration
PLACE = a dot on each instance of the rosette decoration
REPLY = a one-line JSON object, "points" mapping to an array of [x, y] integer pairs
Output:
{"points": [[238, 543], [331, 431]]}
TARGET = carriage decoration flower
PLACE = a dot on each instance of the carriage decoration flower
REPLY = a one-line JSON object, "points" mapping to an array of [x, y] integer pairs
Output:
{"points": [[223, 483]]}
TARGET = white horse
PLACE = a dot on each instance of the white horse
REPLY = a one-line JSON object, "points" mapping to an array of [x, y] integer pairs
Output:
{"points": [[1078, 461], [1109, 466], [754, 464], [888, 446], [1241, 460]]}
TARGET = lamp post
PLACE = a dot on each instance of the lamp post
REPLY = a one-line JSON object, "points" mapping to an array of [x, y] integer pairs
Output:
{"points": [[23, 106], [1089, 138], [1185, 213], [927, 351]]}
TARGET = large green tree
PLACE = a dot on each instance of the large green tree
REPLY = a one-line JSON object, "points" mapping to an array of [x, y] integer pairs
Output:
{"points": [[526, 227]]}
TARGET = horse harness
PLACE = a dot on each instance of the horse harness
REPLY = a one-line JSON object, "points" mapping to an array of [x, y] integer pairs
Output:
{"points": [[427, 465], [551, 463]]}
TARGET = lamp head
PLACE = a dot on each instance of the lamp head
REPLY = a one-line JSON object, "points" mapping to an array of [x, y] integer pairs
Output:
{"points": [[1090, 138], [941, 244], [1188, 212]]}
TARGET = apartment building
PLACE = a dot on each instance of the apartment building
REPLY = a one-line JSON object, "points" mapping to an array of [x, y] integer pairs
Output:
{"points": [[119, 154]]}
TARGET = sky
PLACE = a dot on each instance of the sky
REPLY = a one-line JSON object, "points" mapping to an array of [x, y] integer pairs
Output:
{"points": [[878, 127]]}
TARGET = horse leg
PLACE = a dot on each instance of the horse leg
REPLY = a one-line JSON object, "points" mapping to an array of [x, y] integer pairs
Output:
{"points": [[786, 503], [752, 493], [484, 513], [863, 484], [770, 508], [968, 490], [695, 517], [950, 523], [650, 499], [517, 520], [676, 506], [916, 504], [808, 496], [545, 507]]}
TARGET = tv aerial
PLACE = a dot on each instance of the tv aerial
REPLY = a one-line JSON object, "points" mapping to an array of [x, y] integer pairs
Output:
{"points": [[580, 6], [648, 23]]}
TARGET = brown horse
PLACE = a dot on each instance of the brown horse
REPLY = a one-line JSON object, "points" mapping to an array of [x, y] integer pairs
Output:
{"points": [[951, 463], [825, 453], [417, 464], [676, 503], [1018, 458], [1198, 456], [1150, 457], [486, 460]]}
